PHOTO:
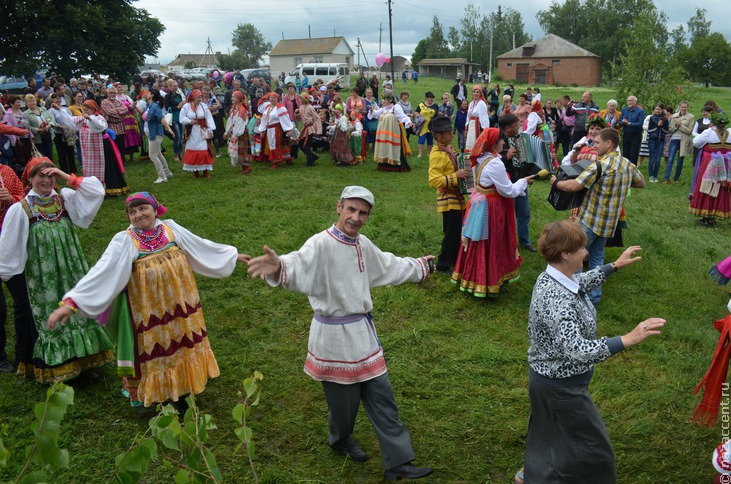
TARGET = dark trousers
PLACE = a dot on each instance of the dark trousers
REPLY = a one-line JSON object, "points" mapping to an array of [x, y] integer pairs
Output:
{"points": [[306, 146], [564, 139], [343, 402], [522, 218], [25, 330], [631, 146], [452, 229], [66, 160], [46, 148]]}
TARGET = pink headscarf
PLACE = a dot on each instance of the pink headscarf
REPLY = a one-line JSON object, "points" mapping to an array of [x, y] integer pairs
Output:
{"points": [[148, 197]]}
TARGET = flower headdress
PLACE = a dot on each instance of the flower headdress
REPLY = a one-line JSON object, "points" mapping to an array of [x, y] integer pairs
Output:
{"points": [[598, 120]]}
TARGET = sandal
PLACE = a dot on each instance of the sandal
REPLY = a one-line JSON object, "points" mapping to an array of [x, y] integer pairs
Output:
{"points": [[519, 477]]}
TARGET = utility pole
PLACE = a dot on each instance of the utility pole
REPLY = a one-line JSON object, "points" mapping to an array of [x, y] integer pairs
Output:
{"points": [[390, 35], [309, 31], [489, 68], [380, 34], [358, 48]]}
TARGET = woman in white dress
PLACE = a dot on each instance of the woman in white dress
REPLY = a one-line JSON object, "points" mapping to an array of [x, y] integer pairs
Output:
{"points": [[198, 122]]}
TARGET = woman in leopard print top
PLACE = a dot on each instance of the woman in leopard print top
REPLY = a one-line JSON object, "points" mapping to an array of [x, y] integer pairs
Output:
{"points": [[567, 440]]}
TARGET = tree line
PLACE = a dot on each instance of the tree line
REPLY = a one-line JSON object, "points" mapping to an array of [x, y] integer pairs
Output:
{"points": [[631, 37]]}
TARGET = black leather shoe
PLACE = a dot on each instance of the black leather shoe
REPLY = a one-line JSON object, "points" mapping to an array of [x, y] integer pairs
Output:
{"points": [[352, 450], [407, 471], [6, 367], [530, 248]]}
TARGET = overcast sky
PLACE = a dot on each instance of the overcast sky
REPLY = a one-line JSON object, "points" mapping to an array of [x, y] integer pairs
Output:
{"points": [[189, 23]]}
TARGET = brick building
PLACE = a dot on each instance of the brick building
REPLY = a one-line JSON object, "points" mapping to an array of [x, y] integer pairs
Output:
{"points": [[551, 60]]}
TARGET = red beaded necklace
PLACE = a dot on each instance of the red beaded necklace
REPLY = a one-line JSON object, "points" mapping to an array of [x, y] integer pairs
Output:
{"points": [[40, 205], [150, 238]]}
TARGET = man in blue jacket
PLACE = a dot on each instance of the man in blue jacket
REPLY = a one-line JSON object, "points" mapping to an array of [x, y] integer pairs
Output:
{"points": [[631, 119]]}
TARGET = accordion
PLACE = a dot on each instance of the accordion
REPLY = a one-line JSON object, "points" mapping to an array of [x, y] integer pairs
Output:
{"points": [[568, 200]]}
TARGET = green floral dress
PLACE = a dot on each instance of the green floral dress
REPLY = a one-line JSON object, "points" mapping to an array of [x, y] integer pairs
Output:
{"points": [[55, 264]]}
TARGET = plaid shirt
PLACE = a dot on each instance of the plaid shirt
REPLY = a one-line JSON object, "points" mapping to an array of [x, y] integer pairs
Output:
{"points": [[601, 207]]}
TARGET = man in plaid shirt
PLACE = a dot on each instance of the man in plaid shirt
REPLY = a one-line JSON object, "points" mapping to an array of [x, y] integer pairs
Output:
{"points": [[599, 212]]}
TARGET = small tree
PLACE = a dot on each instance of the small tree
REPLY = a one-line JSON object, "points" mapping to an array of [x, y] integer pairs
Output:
{"points": [[190, 65], [645, 70], [250, 45]]}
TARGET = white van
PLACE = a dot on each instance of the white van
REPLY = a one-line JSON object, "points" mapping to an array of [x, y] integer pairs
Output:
{"points": [[326, 72]]}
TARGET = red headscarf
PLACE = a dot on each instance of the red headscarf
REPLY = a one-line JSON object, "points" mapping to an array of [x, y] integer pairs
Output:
{"points": [[484, 143], [243, 110], [270, 94], [536, 106], [194, 94], [477, 87], [90, 103], [25, 178]]}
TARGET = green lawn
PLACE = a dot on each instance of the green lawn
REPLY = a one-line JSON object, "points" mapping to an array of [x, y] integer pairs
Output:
{"points": [[458, 364]]}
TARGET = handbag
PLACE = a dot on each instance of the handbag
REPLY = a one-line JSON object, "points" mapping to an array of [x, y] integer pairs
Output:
{"points": [[417, 124], [206, 133], [561, 200], [169, 118]]}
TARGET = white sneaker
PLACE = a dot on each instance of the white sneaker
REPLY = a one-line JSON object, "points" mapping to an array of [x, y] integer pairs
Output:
{"points": [[161, 180]]}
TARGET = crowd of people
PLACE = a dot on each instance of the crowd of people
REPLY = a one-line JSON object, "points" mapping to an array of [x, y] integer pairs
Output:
{"points": [[482, 194]]}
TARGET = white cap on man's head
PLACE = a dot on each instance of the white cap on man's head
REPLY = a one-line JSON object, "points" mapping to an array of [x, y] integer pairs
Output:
{"points": [[358, 192]]}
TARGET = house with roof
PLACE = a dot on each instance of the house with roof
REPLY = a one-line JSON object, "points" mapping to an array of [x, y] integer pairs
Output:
{"points": [[208, 60], [288, 53], [451, 68], [551, 60]]}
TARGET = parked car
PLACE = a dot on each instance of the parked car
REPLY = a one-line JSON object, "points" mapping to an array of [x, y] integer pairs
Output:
{"points": [[265, 73], [179, 74], [151, 72], [14, 85]]}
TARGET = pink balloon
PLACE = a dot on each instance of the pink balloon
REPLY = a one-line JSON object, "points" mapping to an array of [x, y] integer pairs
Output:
{"points": [[388, 60], [381, 59]]}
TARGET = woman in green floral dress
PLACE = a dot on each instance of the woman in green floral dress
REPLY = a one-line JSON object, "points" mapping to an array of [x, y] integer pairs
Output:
{"points": [[39, 238]]}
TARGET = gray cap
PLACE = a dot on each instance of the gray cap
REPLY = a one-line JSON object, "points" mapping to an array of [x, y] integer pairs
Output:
{"points": [[359, 192]]}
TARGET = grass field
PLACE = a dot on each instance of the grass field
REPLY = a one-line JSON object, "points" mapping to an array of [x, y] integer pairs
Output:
{"points": [[458, 364]]}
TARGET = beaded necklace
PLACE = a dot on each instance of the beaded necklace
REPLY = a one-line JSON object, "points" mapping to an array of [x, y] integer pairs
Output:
{"points": [[49, 209], [150, 238]]}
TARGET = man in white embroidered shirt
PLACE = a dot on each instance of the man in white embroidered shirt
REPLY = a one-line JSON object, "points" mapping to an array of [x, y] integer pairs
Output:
{"points": [[336, 269]]}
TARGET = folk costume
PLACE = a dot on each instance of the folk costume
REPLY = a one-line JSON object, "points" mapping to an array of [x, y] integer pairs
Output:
{"points": [[132, 136], [91, 133], [114, 111], [356, 140], [450, 201], [39, 239], [339, 148], [391, 147], [239, 148], [711, 193], [337, 272], [274, 126], [489, 255], [199, 127], [478, 120], [163, 347], [311, 126], [114, 182]]}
